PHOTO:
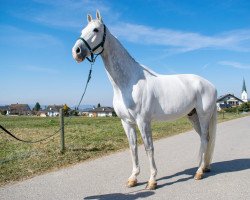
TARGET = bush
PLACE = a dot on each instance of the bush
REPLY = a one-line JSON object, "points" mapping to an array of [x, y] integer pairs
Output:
{"points": [[231, 110], [3, 112], [245, 107]]}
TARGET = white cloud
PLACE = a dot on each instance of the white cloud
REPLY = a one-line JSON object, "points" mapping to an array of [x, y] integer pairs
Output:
{"points": [[25, 38], [69, 14], [181, 41], [233, 64], [38, 69]]}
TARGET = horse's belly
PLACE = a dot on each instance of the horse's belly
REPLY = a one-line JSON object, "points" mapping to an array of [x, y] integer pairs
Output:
{"points": [[168, 117]]}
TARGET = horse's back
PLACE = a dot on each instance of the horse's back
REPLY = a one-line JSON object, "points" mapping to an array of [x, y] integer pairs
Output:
{"points": [[177, 95]]}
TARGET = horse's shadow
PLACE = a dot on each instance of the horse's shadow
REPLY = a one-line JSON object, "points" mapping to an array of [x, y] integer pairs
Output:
{"points": [[120, 196], [217, 168]]}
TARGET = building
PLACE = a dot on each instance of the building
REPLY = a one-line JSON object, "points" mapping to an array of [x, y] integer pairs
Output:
{"points": [[102, 112], [228, 101], [244, 92], [42, 113], [53, 110], [19, 109]]}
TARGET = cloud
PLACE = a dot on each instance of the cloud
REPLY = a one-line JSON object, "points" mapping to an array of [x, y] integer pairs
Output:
{"points": [[233, 64], [70, 15], [67, 14], [181, 41], [20, 37], [38, 69]]}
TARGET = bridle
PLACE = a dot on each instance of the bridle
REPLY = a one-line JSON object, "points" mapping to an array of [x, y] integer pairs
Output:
{"points": [[101, 44]]}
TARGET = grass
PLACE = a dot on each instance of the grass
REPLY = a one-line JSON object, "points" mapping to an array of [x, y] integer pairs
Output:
{"points": [[86, 138]]}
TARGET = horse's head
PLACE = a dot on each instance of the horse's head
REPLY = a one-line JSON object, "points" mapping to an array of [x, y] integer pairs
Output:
{"points": [[91, 40]]}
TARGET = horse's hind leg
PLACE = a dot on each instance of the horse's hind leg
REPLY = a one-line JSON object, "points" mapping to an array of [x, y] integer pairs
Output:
{"points": [[205, 149], [132, 138], [204, 165]]}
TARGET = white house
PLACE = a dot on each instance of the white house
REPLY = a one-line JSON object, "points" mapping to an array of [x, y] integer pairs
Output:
{"points": [[101, 112], [228, 101], [53, 110]]}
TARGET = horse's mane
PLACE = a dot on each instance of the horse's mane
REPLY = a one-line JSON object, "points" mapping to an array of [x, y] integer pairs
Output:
{"points": [[151, 72]]}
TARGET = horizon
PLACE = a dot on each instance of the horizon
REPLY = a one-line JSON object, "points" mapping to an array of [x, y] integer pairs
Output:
{"points": [[208, 38]]}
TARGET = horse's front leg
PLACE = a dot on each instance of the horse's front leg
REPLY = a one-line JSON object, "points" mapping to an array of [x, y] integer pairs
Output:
{"points": [[146, 133], [132, 138]]}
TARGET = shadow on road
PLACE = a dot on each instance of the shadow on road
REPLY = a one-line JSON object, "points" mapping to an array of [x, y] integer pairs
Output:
{"points": [[121, 196], [216, 168]]}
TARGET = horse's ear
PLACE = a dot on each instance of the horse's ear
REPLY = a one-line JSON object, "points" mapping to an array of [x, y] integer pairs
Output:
{"points": [[98, 15], [89, 18]]}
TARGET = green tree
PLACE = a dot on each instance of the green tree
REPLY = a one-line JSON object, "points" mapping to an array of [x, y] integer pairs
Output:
{"points": [[37, 107], [98, 105]]}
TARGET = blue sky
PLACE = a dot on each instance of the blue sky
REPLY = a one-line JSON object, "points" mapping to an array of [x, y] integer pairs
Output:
{"points": [[210, 38]]}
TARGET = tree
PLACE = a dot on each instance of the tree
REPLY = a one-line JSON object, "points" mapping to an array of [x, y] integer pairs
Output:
{"points": [[98, 105], [37, 107]]}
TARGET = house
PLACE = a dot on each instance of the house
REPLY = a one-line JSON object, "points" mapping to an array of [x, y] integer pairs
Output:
{"points": [[228, 101], [85, 111], [4, 110], [53, 110], [102, 112], [19, 109], [41, 113]]}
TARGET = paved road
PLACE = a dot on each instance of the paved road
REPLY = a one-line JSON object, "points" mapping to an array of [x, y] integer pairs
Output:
{"points": [[176, 158]]}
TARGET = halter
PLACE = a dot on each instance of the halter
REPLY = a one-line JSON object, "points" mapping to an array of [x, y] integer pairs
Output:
{"points": [[101, 44]]}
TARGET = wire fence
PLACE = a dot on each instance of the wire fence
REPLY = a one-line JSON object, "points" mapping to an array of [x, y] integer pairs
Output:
{"points": [[84, 138]]}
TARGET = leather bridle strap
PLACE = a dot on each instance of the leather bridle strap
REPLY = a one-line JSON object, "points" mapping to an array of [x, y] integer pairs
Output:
{"points": [[101, 44]]}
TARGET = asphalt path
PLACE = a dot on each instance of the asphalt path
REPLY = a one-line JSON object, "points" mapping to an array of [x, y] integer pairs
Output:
{"points": [[176, 160]]}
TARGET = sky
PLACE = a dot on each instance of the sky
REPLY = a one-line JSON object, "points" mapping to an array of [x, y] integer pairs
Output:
{"points": [[210, 38]]}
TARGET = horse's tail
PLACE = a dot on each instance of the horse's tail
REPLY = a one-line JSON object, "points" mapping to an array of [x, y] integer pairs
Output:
{"points": [[211, 137]]}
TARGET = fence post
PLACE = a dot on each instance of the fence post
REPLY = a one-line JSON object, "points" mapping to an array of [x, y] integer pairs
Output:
{"points": [[62, 130]]}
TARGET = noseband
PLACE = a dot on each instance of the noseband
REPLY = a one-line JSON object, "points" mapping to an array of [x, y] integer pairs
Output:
{"points": [[101, 44]]}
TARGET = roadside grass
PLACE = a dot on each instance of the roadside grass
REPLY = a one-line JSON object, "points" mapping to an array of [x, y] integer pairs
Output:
{"points": [[85, 138]]}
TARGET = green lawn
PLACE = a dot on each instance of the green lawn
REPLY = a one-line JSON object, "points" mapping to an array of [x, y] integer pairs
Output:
{"points": [[85, 138]]}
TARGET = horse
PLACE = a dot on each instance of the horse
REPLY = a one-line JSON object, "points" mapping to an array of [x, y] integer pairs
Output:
{"points": [[141, 95]]}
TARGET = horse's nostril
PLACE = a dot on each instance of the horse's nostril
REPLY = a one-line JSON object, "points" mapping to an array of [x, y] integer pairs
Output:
{"points": [[78, 50]]}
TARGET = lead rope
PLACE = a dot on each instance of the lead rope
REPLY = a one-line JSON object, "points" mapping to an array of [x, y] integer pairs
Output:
{"points": [[57, 131], [87, 83]]}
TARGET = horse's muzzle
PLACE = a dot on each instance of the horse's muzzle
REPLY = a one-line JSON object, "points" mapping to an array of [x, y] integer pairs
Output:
{"points": [[79, 53]]}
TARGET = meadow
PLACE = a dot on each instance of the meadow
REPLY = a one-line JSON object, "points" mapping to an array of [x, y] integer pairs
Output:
{"points": [[85, 139]]}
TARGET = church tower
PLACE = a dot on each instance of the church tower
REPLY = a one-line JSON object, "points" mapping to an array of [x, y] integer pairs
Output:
{"points": [[244, 92]]}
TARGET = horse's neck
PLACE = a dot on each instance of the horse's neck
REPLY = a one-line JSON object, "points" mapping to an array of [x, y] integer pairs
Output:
{"points": [[122, 69]]}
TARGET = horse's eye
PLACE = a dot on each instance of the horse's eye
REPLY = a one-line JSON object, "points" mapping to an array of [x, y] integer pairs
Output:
{"points": [[95, 30]]}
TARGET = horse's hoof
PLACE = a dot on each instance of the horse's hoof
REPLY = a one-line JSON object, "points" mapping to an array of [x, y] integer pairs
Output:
{"points": [[132, 183], [151, 185], [198, 176]]}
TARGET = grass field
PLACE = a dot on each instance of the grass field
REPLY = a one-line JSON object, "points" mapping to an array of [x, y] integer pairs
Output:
{"points": [[85, 138]]}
